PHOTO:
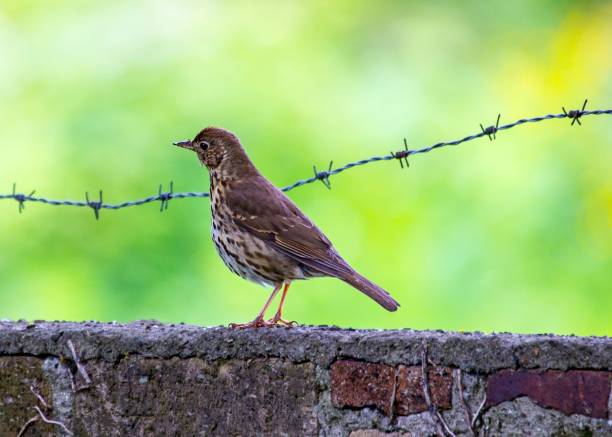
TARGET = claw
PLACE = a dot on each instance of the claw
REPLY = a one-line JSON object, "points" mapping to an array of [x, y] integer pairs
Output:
{"points": [[257, 323], [261, 323], [277, 321]]}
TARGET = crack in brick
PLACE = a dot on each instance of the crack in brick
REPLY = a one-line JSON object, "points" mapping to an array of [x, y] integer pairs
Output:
{"points": [[358, 384]]}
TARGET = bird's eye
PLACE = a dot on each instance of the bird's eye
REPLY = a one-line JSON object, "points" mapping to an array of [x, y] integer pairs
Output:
{"points": [[204, 145]]}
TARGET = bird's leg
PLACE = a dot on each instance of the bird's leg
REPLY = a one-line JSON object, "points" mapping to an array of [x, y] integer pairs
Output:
{"points": [[259, 321], [277, 317]]}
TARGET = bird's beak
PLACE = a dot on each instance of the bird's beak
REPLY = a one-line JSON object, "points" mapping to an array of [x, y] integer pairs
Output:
{"points": [[186, 144]]}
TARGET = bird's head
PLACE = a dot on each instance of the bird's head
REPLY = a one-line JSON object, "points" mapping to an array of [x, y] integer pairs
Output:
{"points": [[219, 150]]}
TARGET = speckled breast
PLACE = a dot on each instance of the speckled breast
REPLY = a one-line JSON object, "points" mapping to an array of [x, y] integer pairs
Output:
{"points": [[244, 254]]}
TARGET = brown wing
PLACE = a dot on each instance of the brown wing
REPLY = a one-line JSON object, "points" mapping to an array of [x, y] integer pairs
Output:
{"points": [[261, 209]]}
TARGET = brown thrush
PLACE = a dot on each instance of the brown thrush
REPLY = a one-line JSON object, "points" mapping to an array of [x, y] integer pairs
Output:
{"points": [[260, 234]]}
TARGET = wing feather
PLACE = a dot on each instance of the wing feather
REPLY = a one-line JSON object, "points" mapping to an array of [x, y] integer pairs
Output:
{"points": [[265, 211]]}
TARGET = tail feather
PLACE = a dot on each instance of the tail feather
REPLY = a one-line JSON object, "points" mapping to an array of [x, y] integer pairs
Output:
{"points": [[372, 290]]}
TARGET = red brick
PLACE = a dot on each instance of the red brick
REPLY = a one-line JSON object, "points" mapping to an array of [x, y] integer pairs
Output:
{"points": [[572, 392], [358, 384], [409, 394]]}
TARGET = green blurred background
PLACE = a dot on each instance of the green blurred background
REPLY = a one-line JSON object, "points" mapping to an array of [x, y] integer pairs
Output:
{"points": [[511, 235]]}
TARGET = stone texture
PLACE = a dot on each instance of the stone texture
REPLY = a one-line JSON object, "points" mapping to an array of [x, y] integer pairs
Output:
{"points": [[60, 379], [409, 395], [376, 433], [357, 384], [522, 417], [571, 392], [142, 397]]}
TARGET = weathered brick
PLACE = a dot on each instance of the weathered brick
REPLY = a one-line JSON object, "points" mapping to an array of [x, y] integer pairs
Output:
{"points": [[409, 394], [175, 397], [359, 384], [17, 402], [572, 392]]}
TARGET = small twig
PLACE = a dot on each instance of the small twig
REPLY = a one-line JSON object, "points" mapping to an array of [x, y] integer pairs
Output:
{"points": [[80, 368], [42, 416], [52, 422], [393, 394], [441, 425], [479, 411], [26, 425], [148, 355], [445, 425], [466, 408], [471, 419], [40, 398]]}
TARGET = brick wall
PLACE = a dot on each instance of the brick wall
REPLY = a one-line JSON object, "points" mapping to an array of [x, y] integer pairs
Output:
{"points": [[147, 378]]}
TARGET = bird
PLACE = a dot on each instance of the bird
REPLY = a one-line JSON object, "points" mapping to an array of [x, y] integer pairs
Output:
{"points": [[260, 234]]}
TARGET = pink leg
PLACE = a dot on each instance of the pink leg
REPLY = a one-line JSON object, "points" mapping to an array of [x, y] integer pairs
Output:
{"points": [[259, 321], [277, 317]]}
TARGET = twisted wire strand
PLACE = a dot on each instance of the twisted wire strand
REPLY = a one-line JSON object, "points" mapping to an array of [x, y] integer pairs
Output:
{"points": [[324, 176]]}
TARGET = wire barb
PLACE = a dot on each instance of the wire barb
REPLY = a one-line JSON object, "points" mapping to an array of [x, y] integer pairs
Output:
{"points": [[402, 155], [165, 196], [575, 114], [491, 130], [21, 198], [96, 206], [323, 176]]}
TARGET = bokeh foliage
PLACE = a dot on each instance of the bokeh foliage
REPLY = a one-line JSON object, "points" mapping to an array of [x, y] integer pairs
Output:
{"points": [[511, 235]]}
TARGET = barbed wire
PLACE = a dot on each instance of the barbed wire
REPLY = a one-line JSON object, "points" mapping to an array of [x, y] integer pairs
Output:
{"points": [[164, 197]]}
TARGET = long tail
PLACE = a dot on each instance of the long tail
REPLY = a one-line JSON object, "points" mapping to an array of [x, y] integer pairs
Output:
{"points": [[372, 290]]}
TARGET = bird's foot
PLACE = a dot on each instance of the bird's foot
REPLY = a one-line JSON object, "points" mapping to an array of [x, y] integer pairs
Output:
{"points": [[259, 322], [277, 321]]}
